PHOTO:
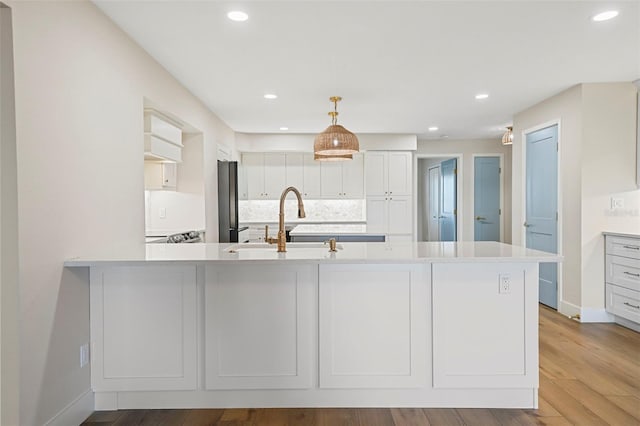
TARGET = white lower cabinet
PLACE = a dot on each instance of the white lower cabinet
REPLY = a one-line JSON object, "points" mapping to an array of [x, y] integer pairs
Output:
{"points": [[390, 215], [143, 328], [622, 283], [373, 326], [260, 323], [484, 337]]}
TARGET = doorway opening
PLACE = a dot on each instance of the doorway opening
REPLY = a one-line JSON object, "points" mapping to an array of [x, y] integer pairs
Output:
{"points": [[174, 183], [439, 195]]}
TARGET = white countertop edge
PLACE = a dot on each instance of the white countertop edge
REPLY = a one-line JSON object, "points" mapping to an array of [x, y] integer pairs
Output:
{"points": [[354, 253], [92, 263], [621, 234]]}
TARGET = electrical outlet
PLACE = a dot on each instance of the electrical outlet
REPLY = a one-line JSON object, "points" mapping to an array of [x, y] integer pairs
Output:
{"points": [[617, 203], [504, 284], [84, 355], [162, 212]]}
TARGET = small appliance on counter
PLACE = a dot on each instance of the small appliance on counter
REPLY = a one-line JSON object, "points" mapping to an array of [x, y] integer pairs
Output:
{"points": [[228, 229], [185, 237]]}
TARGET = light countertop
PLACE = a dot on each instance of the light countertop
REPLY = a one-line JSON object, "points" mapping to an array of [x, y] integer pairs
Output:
{"points": [[622, 234], [405, 252]]}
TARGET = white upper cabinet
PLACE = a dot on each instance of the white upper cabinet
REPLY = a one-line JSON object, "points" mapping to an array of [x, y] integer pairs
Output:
{"points": [[342, 179], [266, 175], [388, 173], [162, 139], [295, 170], [311, 173]]}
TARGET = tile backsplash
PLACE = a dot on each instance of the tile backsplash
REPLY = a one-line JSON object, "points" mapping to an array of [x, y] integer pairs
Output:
{"points": [[316, 210]]}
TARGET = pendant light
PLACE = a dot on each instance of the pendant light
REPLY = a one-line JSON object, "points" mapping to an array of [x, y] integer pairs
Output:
{"points": [[320, 157], [507, 138], [335, 140]]}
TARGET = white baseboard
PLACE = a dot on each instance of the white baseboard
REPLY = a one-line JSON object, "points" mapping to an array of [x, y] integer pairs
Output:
{"points": [[586, 314], [106, 401], [595, 315], [74, 413], [568, 309]]}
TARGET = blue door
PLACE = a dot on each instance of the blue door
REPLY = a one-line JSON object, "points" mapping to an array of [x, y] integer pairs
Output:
{"points": [[542, 206], [486, 198], [448, 210]]}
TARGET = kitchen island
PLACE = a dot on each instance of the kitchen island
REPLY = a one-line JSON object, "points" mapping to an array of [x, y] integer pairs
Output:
{"points": [[372, 324]]}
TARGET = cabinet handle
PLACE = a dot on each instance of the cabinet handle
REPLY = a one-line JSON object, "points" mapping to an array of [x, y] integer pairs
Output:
{"points": [[632, 247], [632, 274], [633, 306]]}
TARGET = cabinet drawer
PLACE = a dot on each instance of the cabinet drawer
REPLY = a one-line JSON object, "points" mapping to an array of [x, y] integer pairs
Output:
{"points": [[623, 246], [624, 272], [623, 302]]}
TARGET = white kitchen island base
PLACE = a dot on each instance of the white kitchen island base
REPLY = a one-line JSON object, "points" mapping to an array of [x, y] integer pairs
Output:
{"points": [[412, 327]]}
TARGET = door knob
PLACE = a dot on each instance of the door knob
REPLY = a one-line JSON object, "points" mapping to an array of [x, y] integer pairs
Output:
{"points": [[480, 218], [526, 225]]}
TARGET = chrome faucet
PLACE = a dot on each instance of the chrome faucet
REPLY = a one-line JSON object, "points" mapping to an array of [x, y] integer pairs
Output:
{"points": [[282, 237]]}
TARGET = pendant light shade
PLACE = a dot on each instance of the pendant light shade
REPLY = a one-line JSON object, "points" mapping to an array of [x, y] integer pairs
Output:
{"points": [[320, 157], [336, 140], [507, 138]]}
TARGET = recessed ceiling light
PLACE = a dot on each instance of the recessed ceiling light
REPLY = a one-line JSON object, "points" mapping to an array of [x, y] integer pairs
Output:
{"points": [[271, 96], [482, 96], [237, 15], [284, 128], [605, 16], [433, 128]]}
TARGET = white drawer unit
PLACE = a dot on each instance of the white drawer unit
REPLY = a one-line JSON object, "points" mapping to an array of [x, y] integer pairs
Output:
{"points": [[623, 246], [624, 272], [622, 254], [623, 302]]}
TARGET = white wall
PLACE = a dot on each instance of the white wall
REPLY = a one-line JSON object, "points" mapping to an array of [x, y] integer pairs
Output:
{"points": [[257, 142], [80, 87], [9, 321], [467, 148], [608, 169], [596, 160]]}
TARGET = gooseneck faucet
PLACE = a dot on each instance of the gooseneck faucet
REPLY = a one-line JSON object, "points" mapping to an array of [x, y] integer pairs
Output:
{"points": [[282, 237]]}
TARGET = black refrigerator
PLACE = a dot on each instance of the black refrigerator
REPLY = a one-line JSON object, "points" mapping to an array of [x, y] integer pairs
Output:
{"points": [[228, 201]]}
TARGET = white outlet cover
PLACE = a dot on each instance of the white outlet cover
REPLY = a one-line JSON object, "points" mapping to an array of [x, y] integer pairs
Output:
{"points": [[617, 203]]}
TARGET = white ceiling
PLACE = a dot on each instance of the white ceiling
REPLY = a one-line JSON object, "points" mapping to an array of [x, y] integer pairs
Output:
{"points": [[400, 67]]}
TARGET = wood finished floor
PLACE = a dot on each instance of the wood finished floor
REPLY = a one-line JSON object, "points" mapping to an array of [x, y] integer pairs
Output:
{"points": [[589, 375]]}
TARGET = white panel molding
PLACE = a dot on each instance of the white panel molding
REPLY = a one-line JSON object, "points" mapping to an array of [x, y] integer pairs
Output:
{"points": [[246, 312], [483, 338], [109, 370], [76, 412], [399, 362]]}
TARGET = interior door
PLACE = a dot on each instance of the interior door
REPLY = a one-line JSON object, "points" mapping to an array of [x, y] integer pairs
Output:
{"points": [[433, 224], [542, 205], [486, 198], [448, 208]]}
